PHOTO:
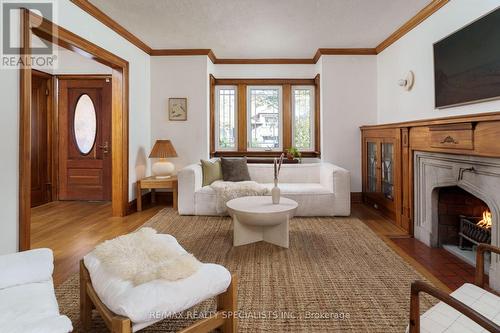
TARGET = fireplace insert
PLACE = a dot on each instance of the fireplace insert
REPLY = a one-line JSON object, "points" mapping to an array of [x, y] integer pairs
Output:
{"points": [[474, 230]]}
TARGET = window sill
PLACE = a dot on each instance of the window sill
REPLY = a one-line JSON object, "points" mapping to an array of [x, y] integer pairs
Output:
{"points": [[269, 154]]}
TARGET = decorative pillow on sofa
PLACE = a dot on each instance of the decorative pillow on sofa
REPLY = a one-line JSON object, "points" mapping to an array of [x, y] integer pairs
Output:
{"points": [[235, 169], [211, 171]]}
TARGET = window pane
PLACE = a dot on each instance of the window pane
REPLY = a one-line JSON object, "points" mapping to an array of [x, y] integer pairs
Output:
{"points": [[85, 124], [303, 118], [264, 118], [226, 118]]}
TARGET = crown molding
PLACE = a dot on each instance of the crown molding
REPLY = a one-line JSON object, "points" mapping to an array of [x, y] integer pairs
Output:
{"points": [[430, 9], [421, 16], [112, 24]]}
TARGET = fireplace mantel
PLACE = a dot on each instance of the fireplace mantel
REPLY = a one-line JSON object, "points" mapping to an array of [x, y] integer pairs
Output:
{"points": [[469, 136], [479, 176]]}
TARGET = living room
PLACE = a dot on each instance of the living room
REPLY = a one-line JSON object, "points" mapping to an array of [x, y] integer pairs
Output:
{"points": [[285, 166]]}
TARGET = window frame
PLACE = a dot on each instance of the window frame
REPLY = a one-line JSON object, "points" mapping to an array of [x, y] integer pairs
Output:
{"points": [[242, 113], [217, 118], [249, 88], [312, 115]]}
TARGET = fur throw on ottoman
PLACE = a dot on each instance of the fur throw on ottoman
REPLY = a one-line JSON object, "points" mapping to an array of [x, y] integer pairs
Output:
{"points": [[145, 256]]}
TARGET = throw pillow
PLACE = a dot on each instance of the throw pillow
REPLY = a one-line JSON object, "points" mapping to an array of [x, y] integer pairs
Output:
{"points": [[235, 169], [211, 170]]}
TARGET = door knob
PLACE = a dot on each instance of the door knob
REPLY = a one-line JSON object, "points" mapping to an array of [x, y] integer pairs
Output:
{"points": [[105, 147]]}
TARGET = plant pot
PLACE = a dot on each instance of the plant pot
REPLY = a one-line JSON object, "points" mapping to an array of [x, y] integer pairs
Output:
{"points": [[290, 156]]}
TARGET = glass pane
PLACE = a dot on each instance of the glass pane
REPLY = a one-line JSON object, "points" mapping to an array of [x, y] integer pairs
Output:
{"points": [[303, 118], [372, 167], [226, 118], [264, 116], [387, 170], [85, 124]]}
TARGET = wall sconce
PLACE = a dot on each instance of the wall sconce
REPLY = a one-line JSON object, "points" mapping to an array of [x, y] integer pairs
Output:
{"points": [[408, 82]]}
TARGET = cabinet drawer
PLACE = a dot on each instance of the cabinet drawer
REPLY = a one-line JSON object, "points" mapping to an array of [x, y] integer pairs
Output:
{"points": [[455, 136]]}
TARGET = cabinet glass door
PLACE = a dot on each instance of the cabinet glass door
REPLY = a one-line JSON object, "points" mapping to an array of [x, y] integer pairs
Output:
{"points": [[372, 167], [388, 170]]}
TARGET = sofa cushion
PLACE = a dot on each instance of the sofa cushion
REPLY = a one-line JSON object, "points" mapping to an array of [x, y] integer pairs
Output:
{"points": [[164, 297], [235, 169], [211, 170], [31, 308]]}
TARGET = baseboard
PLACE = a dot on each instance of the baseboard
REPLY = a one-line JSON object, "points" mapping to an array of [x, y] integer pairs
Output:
{"points": [[356, 197], [162, 198]]}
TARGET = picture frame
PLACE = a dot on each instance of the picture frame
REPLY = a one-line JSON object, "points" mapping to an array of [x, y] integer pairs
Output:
{"points": [[177, 109]]}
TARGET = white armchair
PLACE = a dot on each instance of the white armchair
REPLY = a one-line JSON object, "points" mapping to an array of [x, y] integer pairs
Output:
{"points": [[27, 300]]}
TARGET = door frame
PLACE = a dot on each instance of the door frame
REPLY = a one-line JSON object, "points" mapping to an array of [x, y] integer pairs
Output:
{"points": [[33, 24]]}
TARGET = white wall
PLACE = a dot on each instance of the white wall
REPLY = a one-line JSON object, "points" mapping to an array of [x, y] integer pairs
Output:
{"points": [[415, 52], [349, 99], [297, 71], [181, 77], [76, 20]]}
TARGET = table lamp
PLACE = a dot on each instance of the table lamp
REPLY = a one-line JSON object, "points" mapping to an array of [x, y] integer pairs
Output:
{"points": [[161, 150]]}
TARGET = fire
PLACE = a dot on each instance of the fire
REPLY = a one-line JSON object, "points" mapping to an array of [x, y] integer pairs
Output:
{"points": [[486, 221]]}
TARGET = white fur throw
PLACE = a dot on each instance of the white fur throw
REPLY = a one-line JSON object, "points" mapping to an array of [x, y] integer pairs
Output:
{"points": [[225, 191], [143, 256]]}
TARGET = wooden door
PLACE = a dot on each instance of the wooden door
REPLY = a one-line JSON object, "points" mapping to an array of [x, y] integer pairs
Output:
{"points": [[85, 139], [41, 188]]}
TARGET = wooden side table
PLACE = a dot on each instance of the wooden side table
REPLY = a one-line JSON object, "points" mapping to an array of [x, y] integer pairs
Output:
{"points": [[152, 183]]}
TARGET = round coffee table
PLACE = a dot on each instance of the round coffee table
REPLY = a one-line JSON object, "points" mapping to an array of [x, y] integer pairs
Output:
{"points": [[258, 219]]}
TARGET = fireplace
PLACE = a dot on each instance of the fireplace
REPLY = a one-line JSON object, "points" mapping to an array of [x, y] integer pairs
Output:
{"points": [[458, 213], [457, 204]]}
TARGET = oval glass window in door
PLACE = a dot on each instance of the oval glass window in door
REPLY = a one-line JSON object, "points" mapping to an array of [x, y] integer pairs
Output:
{"points": [[85, 124]]}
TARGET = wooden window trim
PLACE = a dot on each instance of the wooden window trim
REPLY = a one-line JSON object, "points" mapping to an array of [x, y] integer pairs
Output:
{"points": [[286, 85]]}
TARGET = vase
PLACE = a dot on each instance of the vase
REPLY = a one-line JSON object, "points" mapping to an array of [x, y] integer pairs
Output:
{"points": [[276, 193]]}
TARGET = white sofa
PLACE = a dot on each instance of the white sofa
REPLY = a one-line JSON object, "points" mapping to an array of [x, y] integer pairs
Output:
{"points": [[27, 300], [320, 189]]}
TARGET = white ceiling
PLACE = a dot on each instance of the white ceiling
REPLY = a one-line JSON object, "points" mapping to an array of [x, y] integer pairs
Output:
{"points": [[261, 28]]}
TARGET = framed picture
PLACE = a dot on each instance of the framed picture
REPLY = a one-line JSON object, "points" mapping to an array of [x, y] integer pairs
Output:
{"points": [[177, 109]]}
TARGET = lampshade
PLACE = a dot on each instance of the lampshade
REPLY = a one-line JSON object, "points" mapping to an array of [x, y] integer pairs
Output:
{"points": [[163, 149]]}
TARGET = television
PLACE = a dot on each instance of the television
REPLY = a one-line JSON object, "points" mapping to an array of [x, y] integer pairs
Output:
{"points": [[467, 63]]}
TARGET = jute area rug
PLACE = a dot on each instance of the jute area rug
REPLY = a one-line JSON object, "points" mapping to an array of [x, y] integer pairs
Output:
{"points": [[337, 276]]}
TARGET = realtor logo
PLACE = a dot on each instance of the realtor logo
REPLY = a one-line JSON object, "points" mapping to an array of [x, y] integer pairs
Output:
{"points": [[41, 53]]}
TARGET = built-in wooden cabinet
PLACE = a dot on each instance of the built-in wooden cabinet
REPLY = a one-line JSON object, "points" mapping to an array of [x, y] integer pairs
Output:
{"points": [[382, 171], [388, 150]]}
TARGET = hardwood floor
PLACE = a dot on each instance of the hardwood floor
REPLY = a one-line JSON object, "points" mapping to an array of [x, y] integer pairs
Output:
{"points": [[73, 228]]}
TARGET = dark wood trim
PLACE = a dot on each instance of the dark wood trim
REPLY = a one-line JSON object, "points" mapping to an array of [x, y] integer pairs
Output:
{"points": [[242, 117], [317, 116], [269, 82], [487, 116], [265, 61], [286, 85], [306, 154], [182, 52], [112, 24], [427, 11], [25, 136], [421, 16], [356, 197], [84, 76], [211, 79], [32, 23], [287, 116]]}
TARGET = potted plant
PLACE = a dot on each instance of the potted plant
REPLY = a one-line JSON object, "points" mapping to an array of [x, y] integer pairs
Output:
{"points": [[293, 153]]}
